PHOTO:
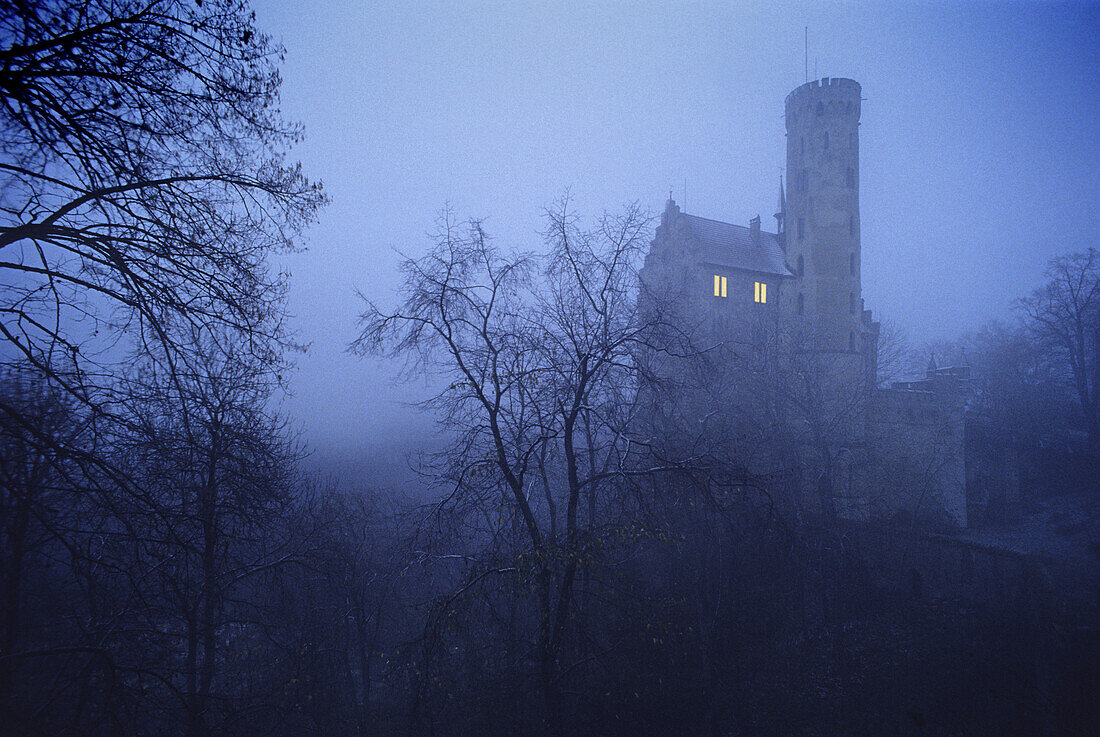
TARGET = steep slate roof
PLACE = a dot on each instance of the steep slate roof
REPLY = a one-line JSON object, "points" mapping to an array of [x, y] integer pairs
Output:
{"points": [[732, 246]]}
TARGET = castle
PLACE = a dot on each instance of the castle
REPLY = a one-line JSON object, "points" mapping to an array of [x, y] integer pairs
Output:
{"points": [[789, 304]]}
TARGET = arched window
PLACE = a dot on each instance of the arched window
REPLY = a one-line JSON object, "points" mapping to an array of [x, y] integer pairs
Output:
{"points": [[801, 303], [852, 225], [850, 177], [820, 109], [801, 228], [801, 263], [852, 341], [852, 302], [826, 140], [852, 264]]}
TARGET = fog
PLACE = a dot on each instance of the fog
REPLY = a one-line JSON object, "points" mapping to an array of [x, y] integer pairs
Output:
{"points": [[978, 146]]}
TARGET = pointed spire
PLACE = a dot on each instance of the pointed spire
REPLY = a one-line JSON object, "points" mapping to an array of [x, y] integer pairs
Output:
{"points": [[781, 215], [782, 200]]}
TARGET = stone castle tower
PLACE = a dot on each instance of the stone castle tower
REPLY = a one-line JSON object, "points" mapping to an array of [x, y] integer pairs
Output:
{"points": [[822, 211], [889, 450]]}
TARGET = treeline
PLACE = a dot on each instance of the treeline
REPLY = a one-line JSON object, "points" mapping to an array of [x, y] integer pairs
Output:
{"points": [[191, 582]]}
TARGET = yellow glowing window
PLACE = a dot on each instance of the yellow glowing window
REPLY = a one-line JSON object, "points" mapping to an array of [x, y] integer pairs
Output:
{"points": [[719, 286], [761, 293]]}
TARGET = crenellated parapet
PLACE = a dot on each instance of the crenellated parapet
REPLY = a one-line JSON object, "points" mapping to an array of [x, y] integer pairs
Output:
{"points": [[833, 97]]}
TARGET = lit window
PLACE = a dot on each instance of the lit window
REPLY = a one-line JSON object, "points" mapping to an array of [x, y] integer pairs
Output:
{"points": [[719, 286], [761, 292]]}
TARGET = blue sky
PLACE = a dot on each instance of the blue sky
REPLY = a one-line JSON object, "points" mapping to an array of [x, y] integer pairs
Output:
{"points": [[979, 153]]}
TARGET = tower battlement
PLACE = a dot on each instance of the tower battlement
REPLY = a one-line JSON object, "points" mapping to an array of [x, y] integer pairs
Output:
{"points": [[836, 96]]}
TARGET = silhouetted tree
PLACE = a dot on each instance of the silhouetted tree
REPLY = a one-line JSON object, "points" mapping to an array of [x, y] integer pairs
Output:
{"points": [[216, 474], [1063, 318], [144, 184], [39, 488], [541, 358]]}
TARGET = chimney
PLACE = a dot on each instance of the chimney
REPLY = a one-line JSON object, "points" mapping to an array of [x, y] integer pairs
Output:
{"points": [[754, 228]]}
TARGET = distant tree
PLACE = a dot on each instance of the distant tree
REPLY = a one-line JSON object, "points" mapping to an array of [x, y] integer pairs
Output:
{"points": [[1018, 384], [1063, 318], [144, 184]]}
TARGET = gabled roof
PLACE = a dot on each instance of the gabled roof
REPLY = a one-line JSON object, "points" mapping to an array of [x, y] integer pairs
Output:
{"points": [[733, 246]]}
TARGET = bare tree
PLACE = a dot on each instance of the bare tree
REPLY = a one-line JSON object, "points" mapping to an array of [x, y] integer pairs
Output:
{"points": [[216, 472], [146, 598], [541, 358], [143, 184], [38, 488], [1063, 316]]}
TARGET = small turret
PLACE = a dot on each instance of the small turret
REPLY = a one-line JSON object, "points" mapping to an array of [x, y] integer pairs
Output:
{"points": [[671, 211]]}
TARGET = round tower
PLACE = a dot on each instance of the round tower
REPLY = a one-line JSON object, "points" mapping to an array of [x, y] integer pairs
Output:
{"points": [[822, 210]]}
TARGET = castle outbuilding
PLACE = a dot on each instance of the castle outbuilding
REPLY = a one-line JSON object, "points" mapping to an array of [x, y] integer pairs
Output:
{"points": [[869, 451]]}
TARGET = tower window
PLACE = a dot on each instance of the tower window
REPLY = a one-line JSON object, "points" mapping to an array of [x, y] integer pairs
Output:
{"points": [[826, 140], [850, 177], [852, 264], [719, 286], [761, 292], [852, 341], [801, 261], [801, 228], [852, 225], [801, 303], [820, 109], [852, 302]]}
